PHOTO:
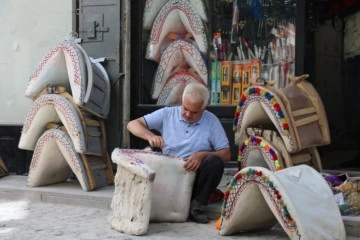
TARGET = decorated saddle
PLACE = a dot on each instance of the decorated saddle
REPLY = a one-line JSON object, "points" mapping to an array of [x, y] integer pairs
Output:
{"points": [[265, 148], [55, 158], [174, 88], [297, 197], [149, 186], [65, 123], [179, 17], [296, 112], [79, 144], [179, 54], [152, 8], [55, 108], [68, 65]]}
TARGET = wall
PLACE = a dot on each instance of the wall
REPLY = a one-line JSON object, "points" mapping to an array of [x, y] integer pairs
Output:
{"points": [[352, 72], [337, 71], [28, 30], [351, 35], [329, 79]]}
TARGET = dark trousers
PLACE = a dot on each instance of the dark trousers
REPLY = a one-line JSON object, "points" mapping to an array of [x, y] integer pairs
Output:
{"points": [[208, 177]]}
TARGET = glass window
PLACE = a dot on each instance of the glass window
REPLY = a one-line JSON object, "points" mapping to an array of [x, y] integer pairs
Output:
{"points": [[227, 45]]}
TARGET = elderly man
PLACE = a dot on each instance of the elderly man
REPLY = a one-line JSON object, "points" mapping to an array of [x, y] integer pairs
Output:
{"points": [[193, 133]]}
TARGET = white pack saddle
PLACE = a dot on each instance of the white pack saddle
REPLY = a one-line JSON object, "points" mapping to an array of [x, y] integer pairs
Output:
{"points": [[152, 8], [55, 158], [149, 186], [297, 197], [174, 88], [85, 130], [68, 65], [296, 112], [180, 17], [178, 54]]}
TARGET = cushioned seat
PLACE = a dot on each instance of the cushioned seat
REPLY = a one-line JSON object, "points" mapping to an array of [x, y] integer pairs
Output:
{"points": [[149, 186], [297, 197]]}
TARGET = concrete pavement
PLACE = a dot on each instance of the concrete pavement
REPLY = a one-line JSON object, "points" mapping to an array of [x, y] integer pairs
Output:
{"points": [[44, 221], [64, 211]]}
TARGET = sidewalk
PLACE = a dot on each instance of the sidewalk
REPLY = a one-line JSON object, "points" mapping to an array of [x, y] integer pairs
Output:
{"points": [[65, 211]]}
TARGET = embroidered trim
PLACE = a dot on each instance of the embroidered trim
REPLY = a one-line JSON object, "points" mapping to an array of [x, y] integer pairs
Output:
{"points": [[132, 159], [180, 5], [250, 176], [67, 49], [255, 93], [60, 139], [264, 146]]}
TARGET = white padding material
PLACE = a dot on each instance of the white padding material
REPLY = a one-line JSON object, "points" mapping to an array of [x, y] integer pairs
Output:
{"points": [[163, 190], [297, 197]]}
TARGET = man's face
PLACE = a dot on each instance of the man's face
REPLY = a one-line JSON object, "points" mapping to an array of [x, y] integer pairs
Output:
{"points": [[191, 112]]}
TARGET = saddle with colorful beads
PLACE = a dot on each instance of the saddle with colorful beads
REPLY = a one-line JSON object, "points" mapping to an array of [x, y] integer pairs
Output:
{"points": [[296, 112], [265, 148], [297, 197], [294, 120]]}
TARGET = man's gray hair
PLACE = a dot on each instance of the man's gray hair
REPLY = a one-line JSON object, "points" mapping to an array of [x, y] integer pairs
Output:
{"points": [[197, 92]]}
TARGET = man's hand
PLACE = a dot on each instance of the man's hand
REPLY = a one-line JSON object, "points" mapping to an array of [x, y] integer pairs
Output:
{"points": [[193, 162], [139, 128], [156, 141]]}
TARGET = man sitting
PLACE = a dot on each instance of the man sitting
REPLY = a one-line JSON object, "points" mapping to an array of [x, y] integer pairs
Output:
{"points": [[193, 133]]}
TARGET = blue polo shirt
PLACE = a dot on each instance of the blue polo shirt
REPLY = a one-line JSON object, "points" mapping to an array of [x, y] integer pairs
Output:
{"points": [[182, 138]]}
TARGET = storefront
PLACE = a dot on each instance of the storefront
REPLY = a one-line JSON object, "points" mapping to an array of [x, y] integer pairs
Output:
{"points": [[306, 37], [239, 34]]}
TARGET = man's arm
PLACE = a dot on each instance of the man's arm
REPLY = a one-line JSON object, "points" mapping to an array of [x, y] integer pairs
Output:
{"points": [[138, 128], [193, 162]]}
